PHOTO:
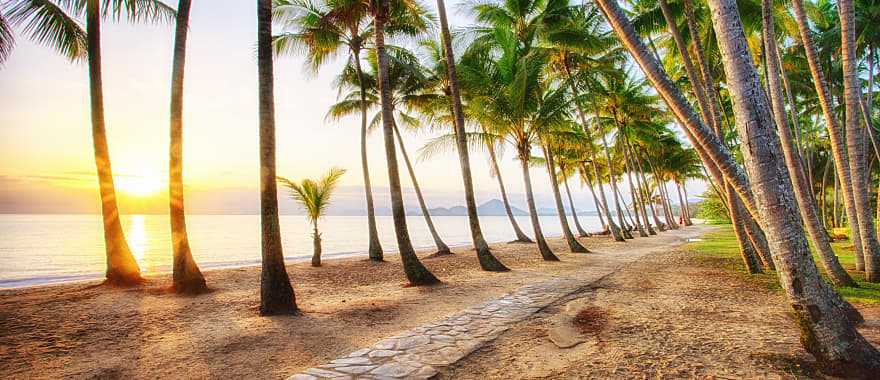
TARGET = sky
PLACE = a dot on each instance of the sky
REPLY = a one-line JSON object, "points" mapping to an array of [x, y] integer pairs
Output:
{"points": [[46, 156]]}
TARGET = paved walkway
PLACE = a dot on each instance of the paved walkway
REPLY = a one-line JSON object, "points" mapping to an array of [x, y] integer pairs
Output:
{"points": [[418, 353]]}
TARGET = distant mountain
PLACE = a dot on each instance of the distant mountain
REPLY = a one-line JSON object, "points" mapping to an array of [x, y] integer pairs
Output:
{"points": [[491, 208]]}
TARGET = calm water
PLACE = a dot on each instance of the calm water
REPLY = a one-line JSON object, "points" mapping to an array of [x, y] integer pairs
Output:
{"points": [[42, 249]]}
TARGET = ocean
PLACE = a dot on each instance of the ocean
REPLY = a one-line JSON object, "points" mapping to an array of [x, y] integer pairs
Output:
{"points": [[44, 249]]}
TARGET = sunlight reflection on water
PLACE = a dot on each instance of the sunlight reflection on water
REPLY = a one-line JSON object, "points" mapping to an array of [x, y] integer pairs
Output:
{"points": [[38, 249]]}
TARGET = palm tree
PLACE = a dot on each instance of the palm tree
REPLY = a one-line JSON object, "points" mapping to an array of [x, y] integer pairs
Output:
{"points": [[406, 82], [416, 273], [186, 274], [487, 261], [854, 141], [441, 111], [806, 203], [835, 135], [314, 196], [547, 134], [509, 99], [323, 29], [276, 294], [50, 24], [817, 308]]}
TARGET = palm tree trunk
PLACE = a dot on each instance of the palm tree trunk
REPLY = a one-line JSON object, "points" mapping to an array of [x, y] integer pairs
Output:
{"points": [[677, 103], [597, 202], [574, 214], [627, 213], [524, 154], [682, 208], [618, 236], [625, 232], [187, 277], [854, 140], [415, 272], [615, 230], [276, 294], [573, 245], [520, 236], [835, 134], [823, 198], [826, 331], [803, 195], [316, 241], [375, 250], [750, 237], [641, 191], [636, 199], [122, 268], [442, 248], [648, 196], [487, 261]]}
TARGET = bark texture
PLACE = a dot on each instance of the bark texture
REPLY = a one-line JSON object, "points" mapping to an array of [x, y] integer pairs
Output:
{"points": [[825, 330], [187, 277], [122, 268], [276, 294], [415, 272], [487, 261]]}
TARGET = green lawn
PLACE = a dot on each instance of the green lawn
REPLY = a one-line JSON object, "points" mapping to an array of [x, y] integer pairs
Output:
{"points": [[720, 248]]}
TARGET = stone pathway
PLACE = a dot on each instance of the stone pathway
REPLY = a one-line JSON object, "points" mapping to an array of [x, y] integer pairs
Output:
{"points": [[418, 353]]}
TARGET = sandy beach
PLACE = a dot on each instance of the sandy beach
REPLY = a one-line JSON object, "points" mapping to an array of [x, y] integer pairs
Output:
{"points": [[86, 330]]}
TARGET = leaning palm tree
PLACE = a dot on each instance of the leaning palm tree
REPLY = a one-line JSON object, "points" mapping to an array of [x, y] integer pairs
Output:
{"points": [[487, 261], [276, 294], [186, 274], [406, 82], [441, 112], [54, 24], [314, 197], [820, 312], [415, 271]]}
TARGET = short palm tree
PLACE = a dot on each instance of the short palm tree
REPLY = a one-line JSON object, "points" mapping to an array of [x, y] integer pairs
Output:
{"points": [[314, 197]]}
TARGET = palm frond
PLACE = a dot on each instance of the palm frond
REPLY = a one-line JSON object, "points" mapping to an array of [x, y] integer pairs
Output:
{"points": [[48, 24]]}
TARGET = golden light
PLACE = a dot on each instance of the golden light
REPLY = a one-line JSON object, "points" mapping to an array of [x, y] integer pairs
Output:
{"points": [[139, 185]]}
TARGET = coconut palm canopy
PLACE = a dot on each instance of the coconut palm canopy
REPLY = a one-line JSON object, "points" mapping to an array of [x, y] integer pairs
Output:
{"points": [[771, 105]]}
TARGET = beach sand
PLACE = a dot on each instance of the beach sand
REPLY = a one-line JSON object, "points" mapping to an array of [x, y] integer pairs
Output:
{"points": [[86, 330]]}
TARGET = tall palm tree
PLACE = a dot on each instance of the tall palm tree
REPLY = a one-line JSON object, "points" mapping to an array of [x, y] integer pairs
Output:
{"points": [[416, 273], [314, 196], [406, 82], [803, 194], [503, 76], [55, 25], [546, 135], [487, 261], [852, 94], [186, 274], [835, 135], [323, 29], [276, 294], [816, 307]]}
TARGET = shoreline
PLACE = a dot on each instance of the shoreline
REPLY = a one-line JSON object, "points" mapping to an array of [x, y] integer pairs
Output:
{"points": [[65, 279], [85, 330]]}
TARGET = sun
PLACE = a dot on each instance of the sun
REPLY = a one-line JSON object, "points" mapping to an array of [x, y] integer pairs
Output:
{"points": [[139, 185]]}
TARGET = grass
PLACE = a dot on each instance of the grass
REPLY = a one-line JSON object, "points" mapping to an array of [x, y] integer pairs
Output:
{"points": [[720, 247]]}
